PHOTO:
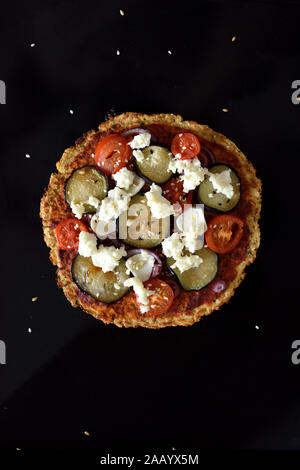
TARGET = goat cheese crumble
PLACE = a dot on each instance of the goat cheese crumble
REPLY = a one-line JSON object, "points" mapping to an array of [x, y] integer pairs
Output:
{"points": [[141, 292], [124, 178], [222, 183], [159, 205], [140, 141]]}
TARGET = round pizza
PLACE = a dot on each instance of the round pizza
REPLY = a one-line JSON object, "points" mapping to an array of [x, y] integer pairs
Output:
{"points": [[151, 220]]}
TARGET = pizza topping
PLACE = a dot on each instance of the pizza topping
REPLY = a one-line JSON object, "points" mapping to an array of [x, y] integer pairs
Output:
{"points": [[193, 172], [185, 144], [142, 292], [222, 183], [140, 140], [67, 233], [174, 247], [108, 257], [153, 163], [199, 276], [102, 286], [206, 157], [173, 191], [161, 297], [112, 154], [113, 205], [143, 264], [221, 189], [224, 232], [159, 205], [87, 244], [105, 257], [84, 190], [124, 178], [138, 228]]}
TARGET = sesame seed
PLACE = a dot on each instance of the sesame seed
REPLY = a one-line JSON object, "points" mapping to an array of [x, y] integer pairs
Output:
{"points": [[118, 52], [170, 52], [93, 155], [32, 44], [71, 111], [122, 13], [257, 327], [27, 155], [34, 299], [29, 330], [18, 448], [225, 110], [86, 433], [233, 38]]}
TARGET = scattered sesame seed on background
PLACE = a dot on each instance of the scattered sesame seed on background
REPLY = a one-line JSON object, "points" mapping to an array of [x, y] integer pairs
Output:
{"points": [[257, 327], [233, 38], [27, 155], [86, 433], [118, 52], [225, 110], [29, 330], [170, 52], [32, 44], [34, 299], [71, 111], [122, 13]]}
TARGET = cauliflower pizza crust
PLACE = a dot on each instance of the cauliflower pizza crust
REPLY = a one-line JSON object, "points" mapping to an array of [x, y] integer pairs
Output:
{"points": [[188, 307]]}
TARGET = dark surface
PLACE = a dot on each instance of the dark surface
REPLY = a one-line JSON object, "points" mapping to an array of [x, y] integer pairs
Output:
{"points": [[221, 383]]}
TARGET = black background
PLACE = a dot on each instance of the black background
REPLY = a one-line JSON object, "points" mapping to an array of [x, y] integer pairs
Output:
{"points": [[222, 383]]}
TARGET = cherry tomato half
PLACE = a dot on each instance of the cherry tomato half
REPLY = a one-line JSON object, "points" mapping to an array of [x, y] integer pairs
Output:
{"points": [[112, 153], [173, 191], [223, 233], [163, 296], [67, 233], [186, 144]]}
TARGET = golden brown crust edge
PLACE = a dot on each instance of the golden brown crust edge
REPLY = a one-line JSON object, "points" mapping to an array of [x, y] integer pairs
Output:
{"points": [[65, 166]]}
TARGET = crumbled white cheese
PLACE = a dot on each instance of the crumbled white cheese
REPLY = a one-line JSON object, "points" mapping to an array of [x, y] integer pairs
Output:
{"points": [[193, 174], [140, 141], [77, 209], [138, 155], [93, 201], [124, 178], [159, 205], [193, 241], [136, 185], [107, 257], [113, 204], [222, 183], [183, 263], [87, 244], [141, 292], [173, 247]]}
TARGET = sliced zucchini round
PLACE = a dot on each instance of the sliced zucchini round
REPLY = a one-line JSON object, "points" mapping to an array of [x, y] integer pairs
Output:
{"points": [[208, 196], [83, 183], [139, 228], [155, 164], [197, 278], [104, 287]]}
